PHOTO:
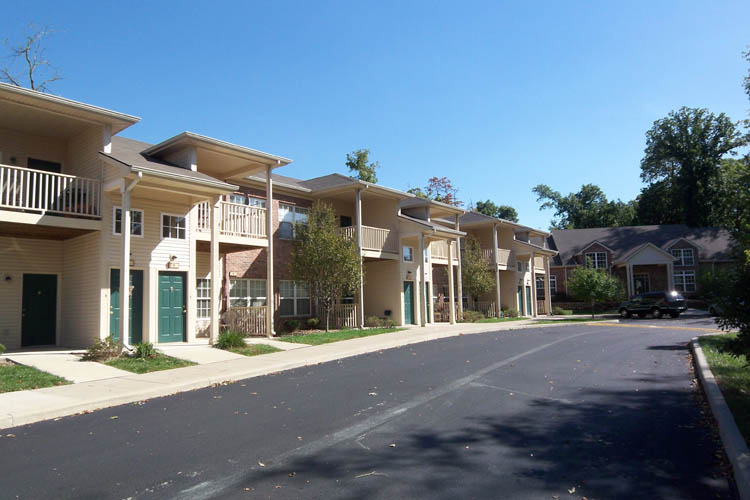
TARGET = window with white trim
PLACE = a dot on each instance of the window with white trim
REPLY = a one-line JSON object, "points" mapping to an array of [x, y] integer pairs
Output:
{"points": [[540, 288], [519, 266], [173, 226], [251, 201], [408, 254], [289, 217], [683, 256], [295, 298], [684, 281], [203, 293], [552, 284], [247, 292], [136, 221], [596, 260]]}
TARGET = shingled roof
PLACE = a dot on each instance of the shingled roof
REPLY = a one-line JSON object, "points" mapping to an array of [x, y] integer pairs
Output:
{"points": [[712, 243]]}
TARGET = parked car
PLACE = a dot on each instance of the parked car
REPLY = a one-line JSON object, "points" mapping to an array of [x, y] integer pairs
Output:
{"points": [[654, 303], [715, 310]]}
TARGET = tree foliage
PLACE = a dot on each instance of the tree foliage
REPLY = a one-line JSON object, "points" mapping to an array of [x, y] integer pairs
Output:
{"points": [[683, 155], [29, 66], [587, 208], [500, 211], [324, 258], [358, 161], [592, 286], [439, 189], [476, 277]]}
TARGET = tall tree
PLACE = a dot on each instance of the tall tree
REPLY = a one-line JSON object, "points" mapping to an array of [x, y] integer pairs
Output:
{"points": [[587, 208], [684, 152], [500, 211], [439, 189], [320, 249], [476, 277], [29, 66], [358, 162]]}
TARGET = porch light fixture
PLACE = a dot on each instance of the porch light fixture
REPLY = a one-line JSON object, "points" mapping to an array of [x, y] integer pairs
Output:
{"points": [[173, 264]]}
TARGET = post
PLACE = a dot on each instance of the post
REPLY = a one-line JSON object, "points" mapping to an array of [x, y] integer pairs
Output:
{"points": [[670, 276], [422, 320], [547, 291], [496, 268], [358, 217], [451, 294], [216, 275], [458, 275], [269, 261], [124, 330], [532, 266], [629, 279]]}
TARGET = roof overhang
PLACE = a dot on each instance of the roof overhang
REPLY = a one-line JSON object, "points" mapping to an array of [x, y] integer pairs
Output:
{"points": [[522, 247], [432, 229]]}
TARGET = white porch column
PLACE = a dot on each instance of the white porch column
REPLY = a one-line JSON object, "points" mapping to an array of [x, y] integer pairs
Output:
{"points": [[629, 279], [270, 298], [124, 328], [533, 285], [670, 276], [451, 294], [547, 294], [358, 217], [460, 291], [216, 274], [496, 268], [420, 310]]}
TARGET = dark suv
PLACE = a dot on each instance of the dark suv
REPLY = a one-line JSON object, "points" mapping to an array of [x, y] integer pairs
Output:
{"points": [[654, 303]]}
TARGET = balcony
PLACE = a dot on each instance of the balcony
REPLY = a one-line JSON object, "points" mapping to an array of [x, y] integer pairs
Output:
{"points": [[505, 257], [439, 251], [375, 240], [239, 224]]}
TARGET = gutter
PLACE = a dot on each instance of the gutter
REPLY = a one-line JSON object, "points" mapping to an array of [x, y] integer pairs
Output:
{"points": [[187, 178]]}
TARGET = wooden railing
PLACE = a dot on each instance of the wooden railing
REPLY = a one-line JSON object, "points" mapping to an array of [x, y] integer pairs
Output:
{"points": [[539, 262], [504, 256], [236, 220], [247, 320], [374, 238], [442, 311], [48, 192], [487, 308], [541, 307], [439, 249], [342, 316]]}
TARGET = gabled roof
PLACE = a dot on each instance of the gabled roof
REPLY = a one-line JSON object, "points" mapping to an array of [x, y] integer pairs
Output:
{"points": [[635, 251], [475, 218], [713, 243]]}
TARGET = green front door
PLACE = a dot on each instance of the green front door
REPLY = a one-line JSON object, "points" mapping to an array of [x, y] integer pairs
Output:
{"points": [[39, 309], [528, 301], [409, 302], [521, 311], [171, 307], [136, 306]]}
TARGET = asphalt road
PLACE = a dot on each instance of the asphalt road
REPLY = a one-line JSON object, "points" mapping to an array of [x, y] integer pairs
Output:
{"points": [[610, 411]]}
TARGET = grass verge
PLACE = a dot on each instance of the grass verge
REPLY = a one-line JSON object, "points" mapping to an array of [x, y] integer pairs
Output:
{"points": [[733, 375], [254, 349], [21, 378], [499, 320], [146, 365], [335, 335]]}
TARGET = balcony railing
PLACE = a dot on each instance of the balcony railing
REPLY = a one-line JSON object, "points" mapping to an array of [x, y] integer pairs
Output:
{"points": [[235, 220], [539, 262], [341, 316], [247, 320], [31, 190], [504, 256], [439, 250], [374, 238]]}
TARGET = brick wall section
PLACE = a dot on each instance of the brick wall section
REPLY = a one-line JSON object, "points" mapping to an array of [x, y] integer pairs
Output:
{"points": [[251, 263]]}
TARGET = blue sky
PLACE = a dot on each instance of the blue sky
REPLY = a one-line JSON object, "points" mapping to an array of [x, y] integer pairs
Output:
{"points": [[499, 96]]}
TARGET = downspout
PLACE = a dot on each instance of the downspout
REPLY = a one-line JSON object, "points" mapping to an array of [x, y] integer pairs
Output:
{"points": [[124, 330]]}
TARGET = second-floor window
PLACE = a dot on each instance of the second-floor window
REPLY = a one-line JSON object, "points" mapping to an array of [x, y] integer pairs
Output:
{"points": [[519, 266], [173, 226], [597, 260], [252, 201], [408, 254], [683, 256], [289, 217], [136, 221]]}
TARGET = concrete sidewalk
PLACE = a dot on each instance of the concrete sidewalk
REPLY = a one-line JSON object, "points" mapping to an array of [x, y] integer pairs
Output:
{"points": [[66, 365], [24, 407]]}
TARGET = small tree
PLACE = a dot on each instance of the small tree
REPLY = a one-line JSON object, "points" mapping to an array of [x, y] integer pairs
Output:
{"points": [[358, 162], [36, 71], [592, 286], [476, 277], [325, 258]]}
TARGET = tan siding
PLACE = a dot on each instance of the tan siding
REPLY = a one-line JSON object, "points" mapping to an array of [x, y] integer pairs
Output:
{"points": [[22, 146], [383, 289], [83, 158], [81, 290]]}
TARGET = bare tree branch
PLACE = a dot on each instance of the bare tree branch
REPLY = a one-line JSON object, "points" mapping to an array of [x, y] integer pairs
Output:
{"points": [[39, 71]]}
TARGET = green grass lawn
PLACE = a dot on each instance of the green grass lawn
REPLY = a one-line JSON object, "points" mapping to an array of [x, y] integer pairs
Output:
{"points": [[254, 349], [139, 365], [21, 378], [498, 320], [733, 375], [335, 335]]}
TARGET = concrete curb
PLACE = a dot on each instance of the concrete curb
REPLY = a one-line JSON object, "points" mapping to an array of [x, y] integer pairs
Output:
{"points": [[734, 443], [27, 407]]}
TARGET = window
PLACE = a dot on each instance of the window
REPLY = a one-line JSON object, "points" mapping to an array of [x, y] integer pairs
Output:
{"points": [[684, 281], [345, 221], [408, 254], [289, 217], [252, 201], [552, 284], [540, 288], [172, 226], [295, 298], [136, 221], [596, 260], [683, 256], [247, 293], [203, 291], [519, 266]]}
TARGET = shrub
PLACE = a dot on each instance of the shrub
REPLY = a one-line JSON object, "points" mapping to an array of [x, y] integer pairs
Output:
{"points": [[472, 316], [558, 311], [373, 322], [2, 348], [144, 350], [291, 325], [313, 323], [510, 313], [102, 350], [229, 340], [389, 323]]}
